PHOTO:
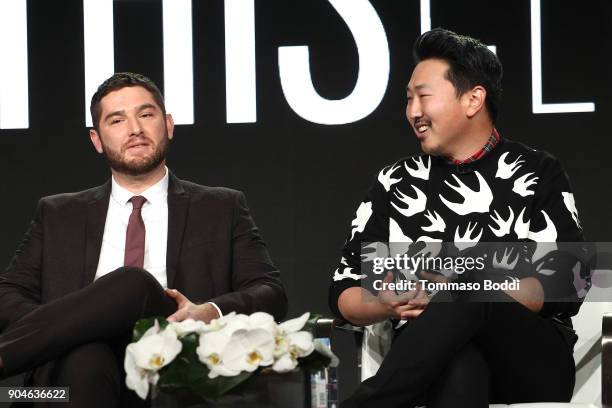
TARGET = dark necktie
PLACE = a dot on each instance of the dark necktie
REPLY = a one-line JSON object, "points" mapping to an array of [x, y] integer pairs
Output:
{"points": [[135, 235]]}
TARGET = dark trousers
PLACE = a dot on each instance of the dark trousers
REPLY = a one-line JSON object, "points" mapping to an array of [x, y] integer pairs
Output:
{"points": [[468, 354], [79, 340]]}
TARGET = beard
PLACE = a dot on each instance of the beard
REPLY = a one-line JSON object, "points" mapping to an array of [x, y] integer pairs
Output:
{"points": [[141, 165]]}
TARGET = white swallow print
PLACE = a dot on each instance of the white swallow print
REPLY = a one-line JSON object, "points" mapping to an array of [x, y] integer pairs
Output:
{"points": [[399, 243], [395, 232], [570, 204], [521, 228], [503, 226], [421, 171], [415, 205], [521, 185], [507, 170], [384, 177], [432, 247], [346, 274], [425, 238], [437, 222], [504, 262], [374, 250], [548, 234], [364, 212], [466, 240], [473, 201]]}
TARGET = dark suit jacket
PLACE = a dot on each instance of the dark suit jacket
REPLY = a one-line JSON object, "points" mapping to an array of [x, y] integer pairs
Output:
{"points": [[214, 253]]}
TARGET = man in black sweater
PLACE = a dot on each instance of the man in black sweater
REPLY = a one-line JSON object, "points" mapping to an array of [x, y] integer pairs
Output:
{"points": [[462, 348]]}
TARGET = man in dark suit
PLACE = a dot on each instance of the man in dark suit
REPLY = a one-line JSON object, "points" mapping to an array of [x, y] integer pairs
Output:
{"points": [[92, 263]]}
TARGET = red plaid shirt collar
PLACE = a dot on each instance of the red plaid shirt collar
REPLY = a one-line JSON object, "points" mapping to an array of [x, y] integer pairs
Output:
{"points": [[490, 145]]}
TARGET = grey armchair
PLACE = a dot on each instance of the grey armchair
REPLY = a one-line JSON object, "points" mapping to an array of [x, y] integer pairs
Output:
{"points": [[606, 361]]}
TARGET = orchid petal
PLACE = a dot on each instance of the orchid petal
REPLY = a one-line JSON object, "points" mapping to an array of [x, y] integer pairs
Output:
{"points": [[235, 355], [262, 341], [135, 378], [212, 343], [294, 325], [156, 350], [284, 364], [222, 370], [261, 320], [188, 326], [303, 341]]}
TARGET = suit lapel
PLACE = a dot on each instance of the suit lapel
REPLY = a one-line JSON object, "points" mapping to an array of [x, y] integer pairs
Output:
{"points": [[178, 209], [96, 219]]}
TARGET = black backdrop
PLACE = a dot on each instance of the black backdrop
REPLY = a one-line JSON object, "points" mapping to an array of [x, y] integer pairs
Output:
{"points": [[303, 181]]}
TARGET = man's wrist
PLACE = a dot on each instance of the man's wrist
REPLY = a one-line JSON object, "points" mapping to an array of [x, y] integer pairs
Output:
{"points": [[214, 305]]}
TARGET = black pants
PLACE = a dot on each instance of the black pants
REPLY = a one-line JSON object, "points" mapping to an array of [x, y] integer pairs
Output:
{"points": [[468, 354], [79, 340]]}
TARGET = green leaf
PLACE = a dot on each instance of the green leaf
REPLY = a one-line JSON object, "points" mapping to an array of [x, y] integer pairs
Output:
{"points": [[311, 323], [186, 369], [143, 325], [213, 388], [314, 361]]}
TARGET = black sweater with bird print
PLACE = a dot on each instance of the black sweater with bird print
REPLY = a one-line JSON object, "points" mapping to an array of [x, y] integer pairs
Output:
{"points": [[511, 194]]}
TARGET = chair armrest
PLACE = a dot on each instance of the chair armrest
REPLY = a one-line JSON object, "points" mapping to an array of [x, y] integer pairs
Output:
{"points": [[606, 361], [323, 328], [344, 325]]}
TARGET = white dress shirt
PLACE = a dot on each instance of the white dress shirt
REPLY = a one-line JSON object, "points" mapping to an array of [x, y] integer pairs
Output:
{"points": [[155, 216]]}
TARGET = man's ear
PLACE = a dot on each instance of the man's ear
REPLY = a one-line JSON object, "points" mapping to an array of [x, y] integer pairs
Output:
{"points": [[475, 100], [95, 139], [170, 125]]}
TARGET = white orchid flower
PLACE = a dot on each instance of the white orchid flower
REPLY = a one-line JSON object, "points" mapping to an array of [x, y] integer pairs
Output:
{"points": [[148, 355], [249, 349], [136, 379], [211, 352], [284, 330], [294, 325], [239, 322], [230, 322], [262, 320], [188, 326], [298, 345], [291, 343], [155, 351], [284, 364]]}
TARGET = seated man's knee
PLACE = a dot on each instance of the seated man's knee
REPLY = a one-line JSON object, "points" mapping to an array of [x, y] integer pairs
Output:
{"points": [[465, 380], [134, 280], [135, 293], [469, 362]]}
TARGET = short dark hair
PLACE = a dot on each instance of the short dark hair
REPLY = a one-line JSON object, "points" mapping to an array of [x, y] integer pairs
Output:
{"points": [[118, 81], [470, 63]]}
